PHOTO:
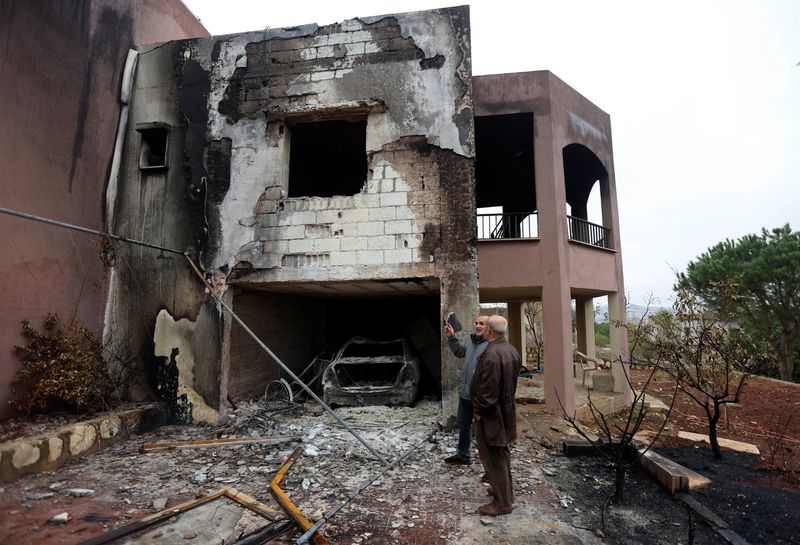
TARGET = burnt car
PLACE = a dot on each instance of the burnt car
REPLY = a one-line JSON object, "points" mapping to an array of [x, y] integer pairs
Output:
{"points": [[367, 372]]}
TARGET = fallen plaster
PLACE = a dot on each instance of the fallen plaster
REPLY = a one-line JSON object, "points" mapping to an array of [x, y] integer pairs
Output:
{"points": [[179, 336]]}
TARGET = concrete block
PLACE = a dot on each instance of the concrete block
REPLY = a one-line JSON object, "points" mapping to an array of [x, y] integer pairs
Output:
{"points": [[370, 257], [410, 241], [326, 245], [343, 259], [365, 200], [292, 232], [386, 185], [382, 214], [323, 75], [355, 216], [603, 382], [394, 199], [370, 228], [672, 476], [381, 243], [344, 229], [410, 212], [356, 48], [397, 256], [325, 51], [301, 246], [350, 244], [330, 216], [398, 227], [737, 446]]}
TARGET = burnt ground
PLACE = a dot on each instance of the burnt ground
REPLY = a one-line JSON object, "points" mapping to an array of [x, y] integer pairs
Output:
{"points": [[558, 500]]}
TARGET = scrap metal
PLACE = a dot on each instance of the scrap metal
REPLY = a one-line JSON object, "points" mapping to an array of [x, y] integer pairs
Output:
{"points": [[288, 506]]}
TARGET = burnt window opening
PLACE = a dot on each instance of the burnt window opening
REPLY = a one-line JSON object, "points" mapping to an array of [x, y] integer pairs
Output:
{"points": [[327, 158], [505, 181], [154, 145]]}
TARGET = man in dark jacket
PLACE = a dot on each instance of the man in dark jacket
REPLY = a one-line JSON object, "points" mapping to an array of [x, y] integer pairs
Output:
{"points": [[494, 385], [471, 351]]}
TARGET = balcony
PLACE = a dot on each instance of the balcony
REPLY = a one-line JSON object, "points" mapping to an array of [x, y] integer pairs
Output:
{"points": [[587, 232], [508, 225]]}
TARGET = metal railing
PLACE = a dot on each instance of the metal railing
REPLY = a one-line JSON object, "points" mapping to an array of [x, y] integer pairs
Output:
{"points": [[587, 232], [508, 225]]}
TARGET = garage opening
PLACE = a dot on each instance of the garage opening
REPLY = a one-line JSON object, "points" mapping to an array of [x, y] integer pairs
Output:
{"points": [[381, 339]]}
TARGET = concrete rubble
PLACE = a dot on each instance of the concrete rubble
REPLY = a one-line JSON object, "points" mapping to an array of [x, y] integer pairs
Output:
{"points": [[421, 501]]}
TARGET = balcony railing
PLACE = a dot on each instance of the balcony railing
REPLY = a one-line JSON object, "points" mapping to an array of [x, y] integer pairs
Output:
{"points": [[587, 232], [508, 225]]}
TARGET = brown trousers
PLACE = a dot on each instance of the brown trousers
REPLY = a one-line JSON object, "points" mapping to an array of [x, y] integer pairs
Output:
{"points": [[497, 463]]}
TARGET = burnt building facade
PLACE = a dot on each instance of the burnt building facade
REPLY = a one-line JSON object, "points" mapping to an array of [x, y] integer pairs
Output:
{"points": [[324, 177]]}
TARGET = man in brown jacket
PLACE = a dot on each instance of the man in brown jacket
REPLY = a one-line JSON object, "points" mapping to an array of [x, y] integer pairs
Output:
{"points": [[493, 388]]}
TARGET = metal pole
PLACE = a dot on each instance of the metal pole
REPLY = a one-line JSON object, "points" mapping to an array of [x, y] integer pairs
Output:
{"points": [[214, 295], [329, 515], [84, 230]]}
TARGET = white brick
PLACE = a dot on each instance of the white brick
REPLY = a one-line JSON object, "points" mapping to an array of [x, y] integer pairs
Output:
{"points": [[324, 75], [355, 49], [381, 243], [410, 241], [276, 247], [344, 229], [308, 54], [349, 244], [394, 199], [409, 212], [357, 215], [370, 257], [371, 47], [301, 246], [351, 25], [387, 185], [390, 172], [325, 51], [340, 38], [370, 228], [326, 245], [363, 200], [340, 203], [377, 172], [397, 256], [397, 227], [359, 36], [344, 258], [297, 218], [293, 232], [329, 216], [381, 214]]}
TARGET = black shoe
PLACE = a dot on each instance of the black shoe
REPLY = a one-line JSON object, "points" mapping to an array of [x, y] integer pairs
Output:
{"points": [[457, 461]]}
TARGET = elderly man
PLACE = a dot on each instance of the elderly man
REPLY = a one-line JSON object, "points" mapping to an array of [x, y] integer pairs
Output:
{"points": [[493, 388], [471, 351]]}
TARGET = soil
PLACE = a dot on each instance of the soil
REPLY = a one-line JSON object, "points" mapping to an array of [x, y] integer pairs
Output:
{"points": [[756, 495]]}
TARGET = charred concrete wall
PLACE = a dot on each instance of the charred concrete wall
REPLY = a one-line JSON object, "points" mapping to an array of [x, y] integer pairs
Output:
{"points": [[241, 112], [62, 64]]}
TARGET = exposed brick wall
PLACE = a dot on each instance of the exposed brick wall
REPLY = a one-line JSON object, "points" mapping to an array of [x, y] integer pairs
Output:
{"points": [[290, 326]]}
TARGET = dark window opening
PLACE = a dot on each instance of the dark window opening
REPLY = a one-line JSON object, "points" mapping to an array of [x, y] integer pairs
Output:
{"points": [[505, 179], [155, 144], [327, 158]]}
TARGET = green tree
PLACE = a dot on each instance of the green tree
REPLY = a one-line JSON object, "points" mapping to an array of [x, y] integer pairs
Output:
{"points": [[765, 269]]}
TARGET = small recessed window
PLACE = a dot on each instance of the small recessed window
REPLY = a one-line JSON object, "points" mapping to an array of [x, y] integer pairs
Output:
{"points": [[328, 158], [154, 146]]}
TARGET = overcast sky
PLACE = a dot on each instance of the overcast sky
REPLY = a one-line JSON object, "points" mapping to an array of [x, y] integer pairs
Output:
{"points": [[704, 98]]}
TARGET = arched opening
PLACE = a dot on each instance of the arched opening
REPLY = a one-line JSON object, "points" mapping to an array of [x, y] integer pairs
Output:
{"points": [[586, 185]]}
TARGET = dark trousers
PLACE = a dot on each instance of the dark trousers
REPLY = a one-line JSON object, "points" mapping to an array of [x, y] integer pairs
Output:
{"points": [[497, 463], [464, 427]]}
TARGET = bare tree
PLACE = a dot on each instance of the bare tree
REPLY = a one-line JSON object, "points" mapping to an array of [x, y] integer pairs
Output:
{"points": [[707, 355], [533, 327]]}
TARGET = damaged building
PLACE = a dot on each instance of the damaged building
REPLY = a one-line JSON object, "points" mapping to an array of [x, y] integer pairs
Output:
{"points": [[328, 180]]}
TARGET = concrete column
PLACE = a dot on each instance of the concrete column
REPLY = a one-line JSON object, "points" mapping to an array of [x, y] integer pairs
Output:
{"points": [[516, 328], [551, 200], [584, 323], [619, 338]]}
